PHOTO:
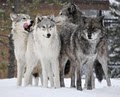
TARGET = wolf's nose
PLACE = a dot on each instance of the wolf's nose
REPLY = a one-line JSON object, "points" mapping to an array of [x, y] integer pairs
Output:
{"points": [[89, 36], [32, 22], [48, 35]]}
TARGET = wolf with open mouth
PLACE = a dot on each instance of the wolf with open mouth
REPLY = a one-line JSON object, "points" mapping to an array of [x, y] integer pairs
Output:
{"points": [[21, 27]]}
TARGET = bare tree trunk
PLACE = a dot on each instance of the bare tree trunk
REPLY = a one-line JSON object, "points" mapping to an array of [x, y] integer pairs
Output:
{"points": [[11, 58], [15, 6]]}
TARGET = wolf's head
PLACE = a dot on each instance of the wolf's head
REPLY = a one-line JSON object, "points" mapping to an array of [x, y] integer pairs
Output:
{"points": [[21, 22], [93, 28], [66, 13], [45, 26]]}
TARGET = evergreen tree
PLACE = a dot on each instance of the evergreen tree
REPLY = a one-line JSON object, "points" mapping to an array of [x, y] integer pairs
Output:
{"points": [[115, 8], [114, 41]]}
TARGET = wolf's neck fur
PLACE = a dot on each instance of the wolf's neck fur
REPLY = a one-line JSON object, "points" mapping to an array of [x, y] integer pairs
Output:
{"points": [[88, 47], [49, 41], [19, 38]]}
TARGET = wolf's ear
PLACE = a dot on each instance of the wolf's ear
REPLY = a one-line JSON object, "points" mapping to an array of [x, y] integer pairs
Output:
{"points": [[72, 8], [38, 19], [13, 16], [84, 18], [52, 17], [100, 19]]}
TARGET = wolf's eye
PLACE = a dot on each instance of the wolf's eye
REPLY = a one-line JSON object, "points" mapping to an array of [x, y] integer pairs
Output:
{"points": [[24, 18], [43, 27], [50, 26]]}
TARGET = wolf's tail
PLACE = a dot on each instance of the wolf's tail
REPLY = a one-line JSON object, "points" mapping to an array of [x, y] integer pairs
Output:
{"points": [[98, 71]]}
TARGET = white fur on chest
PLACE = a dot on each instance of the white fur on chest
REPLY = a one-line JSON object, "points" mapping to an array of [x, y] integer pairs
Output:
{"points": [[20, 44], [47, 47]]}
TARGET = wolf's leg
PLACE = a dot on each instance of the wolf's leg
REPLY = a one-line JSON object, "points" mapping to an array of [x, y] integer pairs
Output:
{"points": [[28, 75], [36, 76], [78, 80], [72, 74], [62, 84], [86, 76], [56, 72], [41, 78], [93, 81], [45, 77], [89, 75], [44, 72], [20, 72], [50, 74], [104, 64], [30, 82], [62, 61], [36, 80], [30, 64]]}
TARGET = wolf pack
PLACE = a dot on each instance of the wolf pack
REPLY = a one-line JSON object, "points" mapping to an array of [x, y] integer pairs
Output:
{"points": [[42, 48]]}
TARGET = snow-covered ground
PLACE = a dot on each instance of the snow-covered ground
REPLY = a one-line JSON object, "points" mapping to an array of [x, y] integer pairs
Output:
{"points": [[8, 88]]}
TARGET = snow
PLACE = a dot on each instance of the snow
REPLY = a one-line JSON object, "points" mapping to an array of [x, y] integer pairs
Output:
{"points": [[113, 1], [112, 55], [8, 88], [117, 49]]}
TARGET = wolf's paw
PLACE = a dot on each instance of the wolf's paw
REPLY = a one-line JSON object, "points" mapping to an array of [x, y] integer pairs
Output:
{"points": [[62, 85], [79, 88], [89, 88], [73, 86], [57, 86]]}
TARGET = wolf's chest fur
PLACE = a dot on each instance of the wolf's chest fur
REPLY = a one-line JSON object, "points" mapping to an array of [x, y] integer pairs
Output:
{"points": [[84, 49], [20, 43], [48, 47]]}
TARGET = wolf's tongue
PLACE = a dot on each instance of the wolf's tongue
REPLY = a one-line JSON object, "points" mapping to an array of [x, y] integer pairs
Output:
{"points": [[25, 25]]}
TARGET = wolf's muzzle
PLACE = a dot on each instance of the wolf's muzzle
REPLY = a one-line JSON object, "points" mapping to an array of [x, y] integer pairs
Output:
{"points": [[28, 28]]}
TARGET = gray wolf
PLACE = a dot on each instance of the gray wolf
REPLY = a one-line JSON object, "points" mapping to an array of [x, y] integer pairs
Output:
{"points": [[69, 13], [21, 28], [48, 48], [72, 14], [80, 47]]}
